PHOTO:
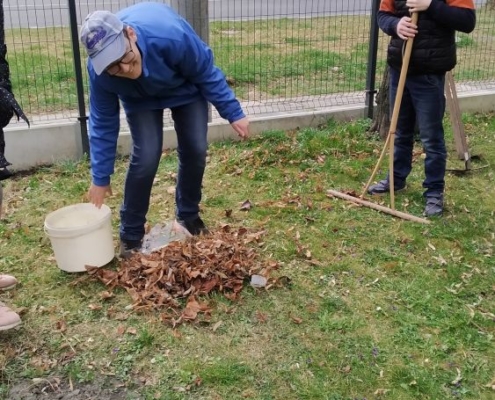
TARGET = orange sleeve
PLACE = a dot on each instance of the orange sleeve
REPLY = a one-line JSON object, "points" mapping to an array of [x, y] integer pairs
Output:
{"points": [[387, 6], [461, 3]]}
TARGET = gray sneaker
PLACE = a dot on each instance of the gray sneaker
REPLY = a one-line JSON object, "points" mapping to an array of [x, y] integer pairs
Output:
{"points": [[434, 205], [383, 187]]}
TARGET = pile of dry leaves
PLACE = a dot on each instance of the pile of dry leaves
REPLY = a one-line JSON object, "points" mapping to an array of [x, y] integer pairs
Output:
{"points": [[222, 262]]}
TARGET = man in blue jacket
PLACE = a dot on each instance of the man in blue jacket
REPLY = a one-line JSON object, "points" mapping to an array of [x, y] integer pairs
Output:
{"points": [[433, 54], [150, 59]]}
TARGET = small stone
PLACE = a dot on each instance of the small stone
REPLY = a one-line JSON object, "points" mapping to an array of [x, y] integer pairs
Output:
{"points": [[258, 281]]}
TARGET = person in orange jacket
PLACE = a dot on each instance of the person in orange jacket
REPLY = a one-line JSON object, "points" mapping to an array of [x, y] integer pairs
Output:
{"points": [[433, 55]]}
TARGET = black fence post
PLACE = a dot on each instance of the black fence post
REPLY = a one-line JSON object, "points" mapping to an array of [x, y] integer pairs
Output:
{"points": [[372, 57], [83, 119]]}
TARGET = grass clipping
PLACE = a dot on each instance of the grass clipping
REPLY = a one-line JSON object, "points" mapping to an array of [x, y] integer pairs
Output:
{"points": [[222, 261]]}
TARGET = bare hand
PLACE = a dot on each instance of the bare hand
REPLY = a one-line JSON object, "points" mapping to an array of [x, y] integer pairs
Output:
{"points": [[241, 126], [418, 5], [406, 29], [96, 194]]}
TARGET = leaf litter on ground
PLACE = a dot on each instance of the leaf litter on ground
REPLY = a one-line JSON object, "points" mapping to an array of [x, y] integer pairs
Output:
{"points": [[172, 278]]}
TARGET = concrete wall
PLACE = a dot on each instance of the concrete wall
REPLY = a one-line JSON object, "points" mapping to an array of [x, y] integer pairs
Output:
{"points": [[61, 141]]}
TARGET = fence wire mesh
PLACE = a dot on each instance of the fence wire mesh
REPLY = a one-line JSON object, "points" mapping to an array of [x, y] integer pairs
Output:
{"points": [[278, 55]]}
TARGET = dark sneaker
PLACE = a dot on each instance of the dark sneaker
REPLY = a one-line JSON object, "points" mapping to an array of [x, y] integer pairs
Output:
{"points": [[5, 174], [383, 187], [194, 226], [434, 205], [128, 247], [3, 161]]}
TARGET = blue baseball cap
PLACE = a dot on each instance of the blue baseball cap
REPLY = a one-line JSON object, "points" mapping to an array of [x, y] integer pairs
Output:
{"points": [[102, 34]]}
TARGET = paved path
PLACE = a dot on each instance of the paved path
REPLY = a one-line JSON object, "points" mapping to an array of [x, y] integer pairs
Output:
{"points": [[46, 13]]}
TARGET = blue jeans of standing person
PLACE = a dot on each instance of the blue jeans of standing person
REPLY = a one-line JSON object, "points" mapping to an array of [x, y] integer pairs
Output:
{"points": [[191, 125], [423, 102]]}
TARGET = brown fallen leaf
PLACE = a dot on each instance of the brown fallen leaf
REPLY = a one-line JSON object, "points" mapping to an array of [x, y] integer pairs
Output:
{"points": [[261, 317], [66, 357], [458, 378], [296, 320], [176, 334], [491, 385], [346, 369], [192, 309], [131, 331], [216, 326], [106, 295], [61, 325]]}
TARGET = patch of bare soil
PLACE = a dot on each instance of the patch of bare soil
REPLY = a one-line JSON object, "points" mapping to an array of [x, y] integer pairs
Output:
{"points": [[60, 389]]}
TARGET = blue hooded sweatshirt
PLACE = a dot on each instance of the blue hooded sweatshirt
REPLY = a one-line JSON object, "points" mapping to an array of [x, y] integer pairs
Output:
{"points": [[178, 69]]}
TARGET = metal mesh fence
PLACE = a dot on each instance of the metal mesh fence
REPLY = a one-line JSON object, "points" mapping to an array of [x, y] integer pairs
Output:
{"points": [[278, 55]]}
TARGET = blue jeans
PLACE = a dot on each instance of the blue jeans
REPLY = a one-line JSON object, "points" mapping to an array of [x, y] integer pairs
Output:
{"points": [[191, 125], [423, 101]]}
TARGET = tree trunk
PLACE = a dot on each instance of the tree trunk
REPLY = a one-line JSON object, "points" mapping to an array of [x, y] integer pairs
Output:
{"points": [[381, 120]]}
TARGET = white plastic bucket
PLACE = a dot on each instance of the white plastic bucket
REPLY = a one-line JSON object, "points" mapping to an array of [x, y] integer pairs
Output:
{"points": [[81, 234]]}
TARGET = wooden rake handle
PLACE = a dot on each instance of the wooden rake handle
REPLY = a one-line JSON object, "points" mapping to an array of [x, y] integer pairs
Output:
{"points": [[389, 142]]}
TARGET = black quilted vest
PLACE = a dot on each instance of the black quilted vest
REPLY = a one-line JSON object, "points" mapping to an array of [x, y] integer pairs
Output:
{"points": [[434, 49]]}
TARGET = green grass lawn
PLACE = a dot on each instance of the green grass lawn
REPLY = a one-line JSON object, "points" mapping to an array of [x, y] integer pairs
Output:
{"points": [[377, 307]]}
